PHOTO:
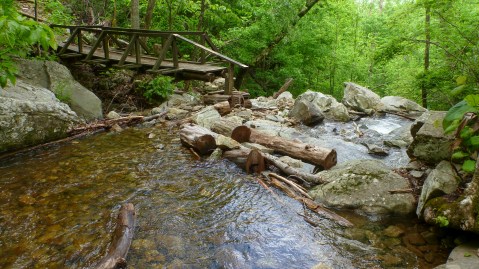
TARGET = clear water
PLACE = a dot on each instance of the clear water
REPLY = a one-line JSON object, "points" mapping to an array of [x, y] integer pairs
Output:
{"points": [[58, 208]]}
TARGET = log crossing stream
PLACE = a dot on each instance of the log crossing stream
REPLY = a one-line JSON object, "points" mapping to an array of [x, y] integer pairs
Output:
{"points": [[58, 208]]}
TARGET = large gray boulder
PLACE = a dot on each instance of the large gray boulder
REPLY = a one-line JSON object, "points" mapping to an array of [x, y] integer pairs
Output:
{"points": [[442, 180], [397, 104], [31, 115], [361, 99], [364, 185], [311, 105], [58, 79], [430, 144]]}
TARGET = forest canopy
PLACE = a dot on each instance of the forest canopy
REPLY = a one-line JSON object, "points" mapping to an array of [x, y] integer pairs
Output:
{"points": [[424, 50]]}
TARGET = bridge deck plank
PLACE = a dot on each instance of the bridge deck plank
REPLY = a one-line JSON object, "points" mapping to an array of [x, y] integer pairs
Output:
{"points": [[149, 61]]}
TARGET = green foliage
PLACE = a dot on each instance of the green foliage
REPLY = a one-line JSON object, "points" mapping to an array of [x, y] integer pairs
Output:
{"points": [[157, 89], [59, 13], [441, 221], [17, 37], [462, 118]]}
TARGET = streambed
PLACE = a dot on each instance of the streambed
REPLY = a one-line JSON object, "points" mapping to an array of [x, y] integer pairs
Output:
{"points": [[58, 208]]}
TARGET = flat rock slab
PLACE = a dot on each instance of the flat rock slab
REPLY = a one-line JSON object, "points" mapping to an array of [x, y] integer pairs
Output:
{"points": [[463, 257]]}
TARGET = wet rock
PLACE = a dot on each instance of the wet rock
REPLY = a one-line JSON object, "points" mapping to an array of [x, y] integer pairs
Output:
{"points": [[463, 257], [30, 115], [430, 237], [27, 199], [321, 266], [216, 155], [392, 242], [310, 107], [355, 234], [360, 98], [389, 260], [417, 174], [141, 245], [402, 105], [442, 180], [364, 185], [176, 113], [414, 239], [399, 138], [116, 128], [430, 144], [206, 117], [393, 231], [113, 115], [376, 150], [152, 255]]}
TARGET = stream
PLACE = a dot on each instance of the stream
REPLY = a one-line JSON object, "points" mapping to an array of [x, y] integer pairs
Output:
{"points": [[58, 208]]}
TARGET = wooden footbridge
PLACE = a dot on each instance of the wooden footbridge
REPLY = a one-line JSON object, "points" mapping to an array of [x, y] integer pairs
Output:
{"points": [[166, 53]]}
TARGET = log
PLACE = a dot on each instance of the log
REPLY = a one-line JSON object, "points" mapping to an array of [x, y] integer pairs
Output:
{"points": [[224, 126], [324, 157], [311, 204], [212, 99], [198, 138], [283, 88], [223, 108], [255, 162], [239, 157], [122, 237]]}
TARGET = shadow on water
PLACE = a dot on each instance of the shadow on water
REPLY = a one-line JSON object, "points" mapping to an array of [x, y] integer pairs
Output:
{"points": [[58, 207]]}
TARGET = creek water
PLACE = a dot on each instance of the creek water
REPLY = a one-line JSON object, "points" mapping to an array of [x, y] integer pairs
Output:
{"points": [[58, 208]]}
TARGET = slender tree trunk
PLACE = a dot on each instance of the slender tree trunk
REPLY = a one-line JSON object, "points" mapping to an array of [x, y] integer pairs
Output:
{"points": [[135, 14], [201, 19], [427, 28], [149, 13], [113, 20]]}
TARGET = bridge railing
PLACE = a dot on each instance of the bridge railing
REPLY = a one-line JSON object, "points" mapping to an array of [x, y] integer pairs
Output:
{"points": [[136, 46]]}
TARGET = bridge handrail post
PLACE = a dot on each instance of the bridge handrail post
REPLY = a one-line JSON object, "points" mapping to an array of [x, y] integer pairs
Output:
{"points": [[128, 49], [163, 52], [69, 40]]}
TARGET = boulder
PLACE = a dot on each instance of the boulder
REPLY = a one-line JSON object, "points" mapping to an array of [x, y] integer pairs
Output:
{"points": [[360, 98], [206, 116], [31, 115], [364, 185], [430, 144], [176, 113], [58, 79], [263, 103], [399, 138], [464, 256], [456, 213], [402, 105], [311, 105], [176, 100], [442, 180]]}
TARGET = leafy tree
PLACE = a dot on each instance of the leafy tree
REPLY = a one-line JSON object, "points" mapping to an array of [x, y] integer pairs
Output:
{"points": [[17, 37]]}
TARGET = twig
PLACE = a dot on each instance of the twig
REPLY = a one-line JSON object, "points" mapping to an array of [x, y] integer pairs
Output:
{"points": [[295, 186], [197, 156]]}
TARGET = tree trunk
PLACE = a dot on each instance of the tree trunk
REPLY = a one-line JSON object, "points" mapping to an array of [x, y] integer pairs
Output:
{"points": [[427, 28], [135, 14], [223, 107], [149, 13], [324, 157], [122, 237], [198, 138]]}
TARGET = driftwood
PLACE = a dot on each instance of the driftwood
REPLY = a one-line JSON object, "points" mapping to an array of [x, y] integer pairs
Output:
{"points": [[223, 107], [310, 204], [295, 186], [324, 157], [212, 99], [239, 156], [283, 88], [122, 237], [198, 138], [224, 126]]}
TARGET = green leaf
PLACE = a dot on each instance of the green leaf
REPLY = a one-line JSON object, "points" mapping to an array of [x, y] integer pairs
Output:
{"points": [[474, 141], [467, 254], [461, 80], [458, 90], [472, 100], [456, 113], [452, 126], [469, 166], [458, 155], [466, 132]]}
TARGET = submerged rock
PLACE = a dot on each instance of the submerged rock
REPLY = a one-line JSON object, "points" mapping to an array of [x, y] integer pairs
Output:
{"points": [[364, 185], [430, 144], [361, 99]]}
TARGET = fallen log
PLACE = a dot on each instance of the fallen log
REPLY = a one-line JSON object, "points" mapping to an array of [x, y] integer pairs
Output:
{"points": [[198, 138], [324, 157], [224, 126], [239, 156], [122, 237], [283, 88], [311, 204]]}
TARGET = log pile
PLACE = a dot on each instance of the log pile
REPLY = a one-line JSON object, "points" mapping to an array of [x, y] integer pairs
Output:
{"points": [[204, 141]]}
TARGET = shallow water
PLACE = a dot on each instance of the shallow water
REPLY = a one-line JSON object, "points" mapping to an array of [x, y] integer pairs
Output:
{"points": [[58, 208]]}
